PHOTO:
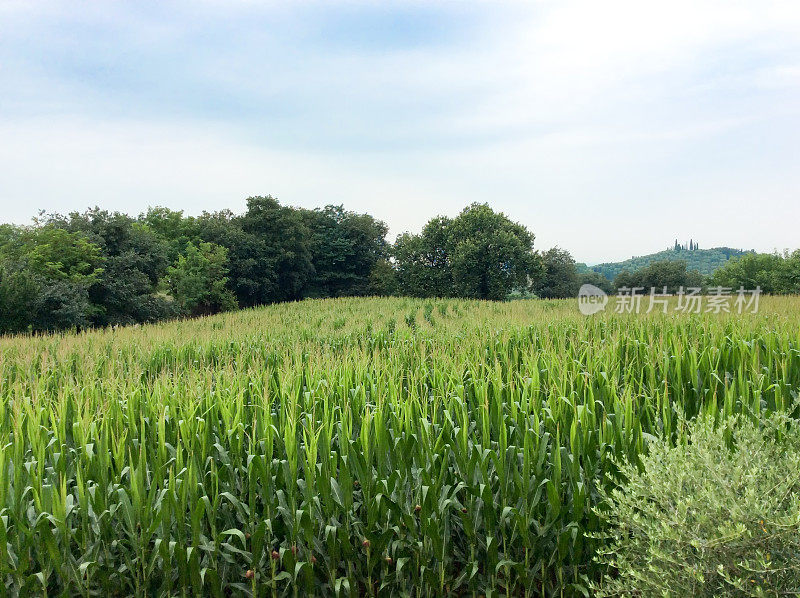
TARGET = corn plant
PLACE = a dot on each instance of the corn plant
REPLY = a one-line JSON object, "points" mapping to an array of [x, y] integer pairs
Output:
{"points": [[318, 448]]}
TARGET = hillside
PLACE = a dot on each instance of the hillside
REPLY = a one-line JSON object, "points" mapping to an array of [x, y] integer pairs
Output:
{"points": [[703, 260]]}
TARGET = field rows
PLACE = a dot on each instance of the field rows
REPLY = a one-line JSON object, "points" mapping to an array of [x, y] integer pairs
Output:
{"points": [[353, 447]]}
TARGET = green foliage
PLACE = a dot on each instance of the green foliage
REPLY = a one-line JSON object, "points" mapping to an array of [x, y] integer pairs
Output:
{"points": [[253, 453], [560, 277], [56, 254], [490, 254], [9, 235], [479, 254], [382, 279], [280, 255], [716, 515], [772, 272], [345, 249], [100, 268], [269, 250], [198, 279], [789, 279], [596, 279], [135, 260], [172, 227], [669, 274], [705, 261], [272, 255], [250, 275], [19, 291], [423, 261], [45, 274], [61, 305]]}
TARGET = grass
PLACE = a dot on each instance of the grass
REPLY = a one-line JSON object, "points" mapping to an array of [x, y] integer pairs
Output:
{"points": [[353, 447]]}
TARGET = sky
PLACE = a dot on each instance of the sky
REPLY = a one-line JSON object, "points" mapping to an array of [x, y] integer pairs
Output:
{"points": [[607, 128]]}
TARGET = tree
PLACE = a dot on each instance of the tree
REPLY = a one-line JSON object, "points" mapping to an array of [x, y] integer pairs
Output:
{"points": [[789, 279], [280, 256], [382, 279], [172, 227], [596, 279], [9, 234], [764, 270], [491, 255], [46, 275], [57, 254], [62, 304], [135, 259], [198, 280], [18, 294], [249, 278], [423, 261], [479, 254], [345, 247], [657, 275], [560, 278]]}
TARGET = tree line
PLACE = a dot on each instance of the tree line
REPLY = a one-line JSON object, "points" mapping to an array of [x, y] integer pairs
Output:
{"points": [[773, 273], [101, 268]]}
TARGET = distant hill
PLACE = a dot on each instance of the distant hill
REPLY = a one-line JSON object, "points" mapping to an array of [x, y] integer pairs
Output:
{"points": [[703, 260]]}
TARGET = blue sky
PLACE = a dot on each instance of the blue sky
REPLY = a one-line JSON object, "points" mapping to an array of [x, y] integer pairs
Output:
{"points": [[608, 128]]}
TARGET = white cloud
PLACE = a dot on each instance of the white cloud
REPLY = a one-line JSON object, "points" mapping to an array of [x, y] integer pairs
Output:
{"points": [[72, 164], [608, 127]]}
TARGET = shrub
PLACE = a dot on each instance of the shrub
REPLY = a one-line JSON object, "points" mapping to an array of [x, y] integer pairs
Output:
{"points": [[716, 515]]}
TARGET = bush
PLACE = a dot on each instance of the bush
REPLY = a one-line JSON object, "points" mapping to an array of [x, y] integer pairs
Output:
{"points": [[717, 515]]}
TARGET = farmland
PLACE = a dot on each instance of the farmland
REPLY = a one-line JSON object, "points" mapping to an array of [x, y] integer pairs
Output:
{"points": [[353, 446]]}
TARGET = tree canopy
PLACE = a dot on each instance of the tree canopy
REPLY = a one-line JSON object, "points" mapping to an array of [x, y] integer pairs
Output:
{"points": [[560, 278], [772, 272], [198, 280]]}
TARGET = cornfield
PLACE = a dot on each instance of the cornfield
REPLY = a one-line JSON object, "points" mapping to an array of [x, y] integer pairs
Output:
{"points": [[353, 447]]}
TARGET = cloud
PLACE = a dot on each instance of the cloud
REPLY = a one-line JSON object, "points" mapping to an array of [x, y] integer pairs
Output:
{"points": [[72, 164], [574, 117]]}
